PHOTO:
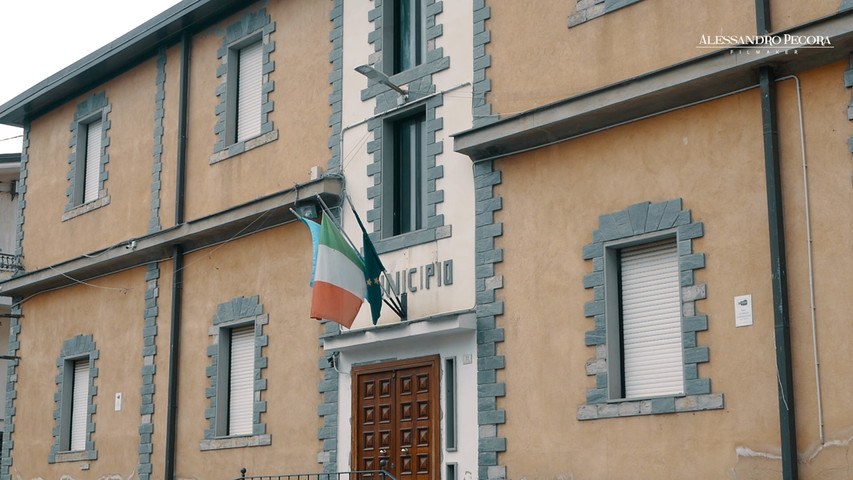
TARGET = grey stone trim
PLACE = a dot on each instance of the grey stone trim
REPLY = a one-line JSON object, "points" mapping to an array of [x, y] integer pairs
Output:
{"points": [[78, 348], [148, 371], [489, 417], [86, 208], [328, 411], [336, 58], [22, 196], [435, 228], [159, 113], [91, 108], [848, 79], [482, 111], [252, 24], [9, 411], [236, 442], [633, 222], [589, 9], [238, 312]]}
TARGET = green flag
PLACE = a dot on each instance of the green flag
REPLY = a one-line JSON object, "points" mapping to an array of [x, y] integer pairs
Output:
{"points": [[372, 269]]}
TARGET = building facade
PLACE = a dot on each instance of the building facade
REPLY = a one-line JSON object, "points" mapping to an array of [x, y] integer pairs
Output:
{"points": [[618, 247], [674, 194]]}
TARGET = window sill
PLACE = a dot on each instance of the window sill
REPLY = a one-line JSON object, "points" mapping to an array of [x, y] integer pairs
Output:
{"points": [[224, 153], [583, 15], [222, 443], [86, 208], [76, 456], [654, 406], [411, 239]]}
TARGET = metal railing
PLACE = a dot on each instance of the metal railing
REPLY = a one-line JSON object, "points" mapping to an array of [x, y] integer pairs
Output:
{"points": [[9, 263], [356, 475]]}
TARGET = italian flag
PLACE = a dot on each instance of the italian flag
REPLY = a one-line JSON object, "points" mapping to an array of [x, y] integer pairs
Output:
{"points": [[339, 282]]}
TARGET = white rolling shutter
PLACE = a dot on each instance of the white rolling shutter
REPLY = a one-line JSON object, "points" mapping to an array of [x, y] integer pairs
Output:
{"points": [[249, 91], [79, 405], [651, 320], [93, 161], [241, 381]]}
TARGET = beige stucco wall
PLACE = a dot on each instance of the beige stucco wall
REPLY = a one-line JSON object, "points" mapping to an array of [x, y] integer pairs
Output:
{"points": [[785, 14], [301, 113], [617, 46], [48, 239], [711, 156], [830, 192], [49, 320], [276, 266]]}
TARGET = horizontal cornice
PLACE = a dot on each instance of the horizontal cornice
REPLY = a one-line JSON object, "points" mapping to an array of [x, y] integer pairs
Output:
{"points": [[702, 78], [236, 222]]}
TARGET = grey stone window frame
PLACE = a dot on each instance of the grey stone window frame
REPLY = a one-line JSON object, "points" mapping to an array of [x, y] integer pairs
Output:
{"points": [[589, 9], [388, 109], [252, 27], [434, 227], [94, 108], [638, 224], [239, 312], [81, 347]]}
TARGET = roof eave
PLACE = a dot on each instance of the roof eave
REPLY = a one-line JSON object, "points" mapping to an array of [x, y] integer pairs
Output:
{"points": [[119, 55], [695, 80]]}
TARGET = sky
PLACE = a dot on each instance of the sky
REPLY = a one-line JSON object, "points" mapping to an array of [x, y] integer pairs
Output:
{"points": [[39, 38]]}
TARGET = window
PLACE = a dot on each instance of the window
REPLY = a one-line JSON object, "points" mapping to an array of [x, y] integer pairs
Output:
{"points": [[91, 159], [236, 378], [237, 393], [408, 34], [408, 175], [75, 401], [645, 320], [243, 112], [75, 439], [245, 94], [644, 310]]}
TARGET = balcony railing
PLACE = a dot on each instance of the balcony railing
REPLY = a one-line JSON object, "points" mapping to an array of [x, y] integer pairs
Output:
{"points": [[9, 263], [360, 475]]}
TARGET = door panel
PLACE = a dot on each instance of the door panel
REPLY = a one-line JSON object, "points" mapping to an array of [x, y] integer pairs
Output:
{"points": [[396, 413]]}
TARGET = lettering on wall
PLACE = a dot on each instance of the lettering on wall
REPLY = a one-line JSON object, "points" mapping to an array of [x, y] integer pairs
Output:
{"points": [[424, 277]]}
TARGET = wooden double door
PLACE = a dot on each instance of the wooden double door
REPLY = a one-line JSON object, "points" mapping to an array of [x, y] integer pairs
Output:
{"points": [[396, 418]]}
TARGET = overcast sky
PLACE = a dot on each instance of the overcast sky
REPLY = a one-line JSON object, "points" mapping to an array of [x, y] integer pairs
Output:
{"points": [[39, 38]]}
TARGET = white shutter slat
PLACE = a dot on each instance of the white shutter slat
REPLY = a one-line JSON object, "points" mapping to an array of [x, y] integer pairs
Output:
{"points": [[241, 381], [249, 91], [79, 405], [651, 320], [93, 162]]}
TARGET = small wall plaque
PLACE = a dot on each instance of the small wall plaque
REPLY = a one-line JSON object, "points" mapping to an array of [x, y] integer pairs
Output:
{"points": [[743, 311]]}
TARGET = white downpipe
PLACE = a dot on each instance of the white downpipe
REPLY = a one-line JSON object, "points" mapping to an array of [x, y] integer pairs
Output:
{"points": [[809, 246]]}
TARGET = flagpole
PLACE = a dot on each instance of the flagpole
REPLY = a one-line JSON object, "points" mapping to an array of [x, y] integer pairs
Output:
{"points": [[391, 285], [397, 306]]}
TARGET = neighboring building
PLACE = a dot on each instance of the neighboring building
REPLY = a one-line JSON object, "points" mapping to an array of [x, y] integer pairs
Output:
{"points": [[10, 166], [676, 221], [164, 283]]}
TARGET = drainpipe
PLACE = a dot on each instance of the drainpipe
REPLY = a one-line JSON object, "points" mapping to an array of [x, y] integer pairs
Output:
{"points": [[779, 276], [183, 109], [778, 266], [177, 264], [174, 351]]}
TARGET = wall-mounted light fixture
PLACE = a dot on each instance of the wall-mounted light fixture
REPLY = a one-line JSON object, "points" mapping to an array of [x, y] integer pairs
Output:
{"points": [[377, 76]]}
